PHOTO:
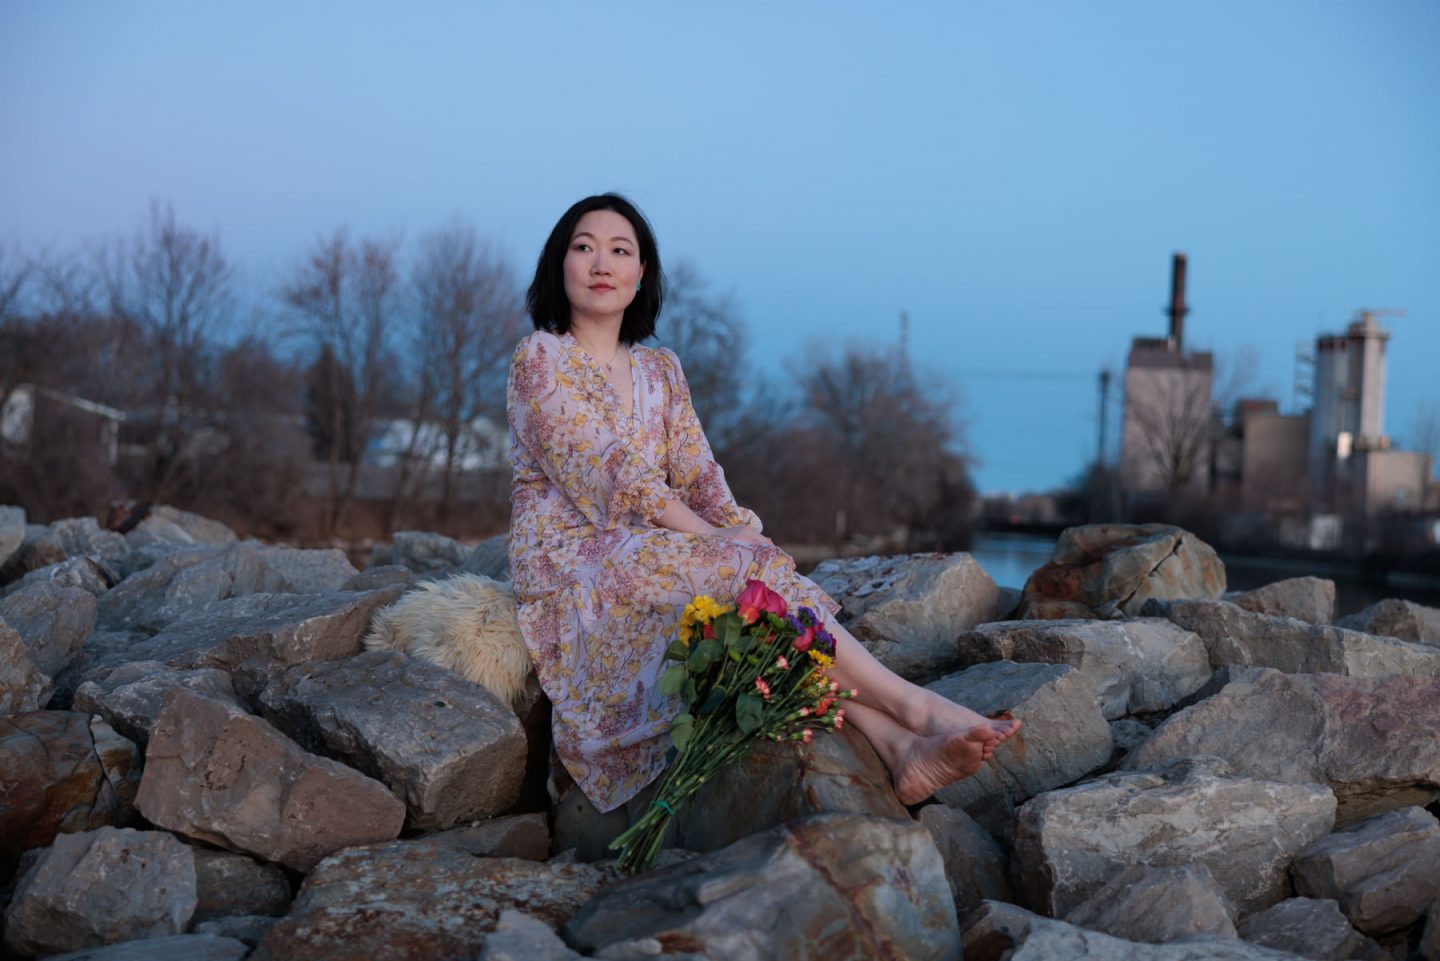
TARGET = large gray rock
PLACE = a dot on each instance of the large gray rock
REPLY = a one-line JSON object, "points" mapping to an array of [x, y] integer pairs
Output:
{"points": [[309, 571], [230, 885], [219, 775], [61, 771], [1113, 569], [1157, 904], [177, 947], [1309, 599], [83, 536], [1136, 666], [1312, 929], [255, 637], [1394, 617], [490, 558], [168, 525], [53, 621], [88, 572], [130, 696], [1384, 871], [186, 582], [97, 887], [975, 866], [39, 548], [424, 552], [773, 784], [516, 836], [23, 686], [1063, 735], [12, 531], [831, 886], [407, 901], [1069, 842], [102, 652], [908, 609], [1372, 740], [446, 746], [1003, 932], [1241, 638]]}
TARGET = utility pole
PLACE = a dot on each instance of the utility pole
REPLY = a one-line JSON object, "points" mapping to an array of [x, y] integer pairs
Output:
{"points": [[1104, 415]]}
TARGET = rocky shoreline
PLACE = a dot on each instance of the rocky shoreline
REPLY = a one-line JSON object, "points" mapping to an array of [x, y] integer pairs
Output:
{"points": [[199, 760]]}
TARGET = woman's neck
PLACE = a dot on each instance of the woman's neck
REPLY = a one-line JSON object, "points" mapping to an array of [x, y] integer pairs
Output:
{"points": [[599, 336]]}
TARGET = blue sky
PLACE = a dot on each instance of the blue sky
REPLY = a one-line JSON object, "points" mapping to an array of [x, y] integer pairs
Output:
{"points": [[1013, 175]]}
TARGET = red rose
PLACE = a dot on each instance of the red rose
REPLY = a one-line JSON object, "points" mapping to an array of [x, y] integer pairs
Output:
{"points": [[758, 599]]}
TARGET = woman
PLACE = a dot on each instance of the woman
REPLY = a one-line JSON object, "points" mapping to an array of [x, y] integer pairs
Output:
{"points": [[620, 515]]}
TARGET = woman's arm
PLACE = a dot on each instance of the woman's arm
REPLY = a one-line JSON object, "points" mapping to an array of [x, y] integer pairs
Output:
{"points": [[678, 517]]}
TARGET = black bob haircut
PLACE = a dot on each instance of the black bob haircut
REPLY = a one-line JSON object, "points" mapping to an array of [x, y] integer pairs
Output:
{"points": [[546, 302]]}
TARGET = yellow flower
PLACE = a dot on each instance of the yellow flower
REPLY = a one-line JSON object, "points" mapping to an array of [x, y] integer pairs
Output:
{"points": [[824, 660]]}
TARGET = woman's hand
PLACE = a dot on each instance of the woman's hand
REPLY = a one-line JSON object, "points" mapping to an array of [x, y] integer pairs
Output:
{"points": [[745, 535]]}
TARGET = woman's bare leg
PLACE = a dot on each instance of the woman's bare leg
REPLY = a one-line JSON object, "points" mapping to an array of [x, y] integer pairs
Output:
{"points": [[923, 712], [921, 764]]}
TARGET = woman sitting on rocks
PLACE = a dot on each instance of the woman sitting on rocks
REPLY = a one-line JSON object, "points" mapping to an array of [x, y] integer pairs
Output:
{"points": [[620, 515]]}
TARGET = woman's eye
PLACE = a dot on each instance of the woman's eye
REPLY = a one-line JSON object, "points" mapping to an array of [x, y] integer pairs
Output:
{"points": [[622, 250]]}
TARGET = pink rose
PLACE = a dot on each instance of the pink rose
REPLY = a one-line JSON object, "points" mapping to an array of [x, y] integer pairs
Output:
{"points": [[758, 599]]}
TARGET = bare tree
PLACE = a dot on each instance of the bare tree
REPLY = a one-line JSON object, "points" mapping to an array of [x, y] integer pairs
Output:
{"points": [[1427, 432], [343, 298], [707, 334], [175, 283], [16, 342], [470, 315]]}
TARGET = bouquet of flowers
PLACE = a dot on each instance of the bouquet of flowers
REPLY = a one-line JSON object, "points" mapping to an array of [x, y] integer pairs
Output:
{"points": [[745, 671]]}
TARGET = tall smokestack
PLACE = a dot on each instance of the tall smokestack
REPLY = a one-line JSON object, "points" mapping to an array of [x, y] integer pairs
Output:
{"points": [[1178, 310]]}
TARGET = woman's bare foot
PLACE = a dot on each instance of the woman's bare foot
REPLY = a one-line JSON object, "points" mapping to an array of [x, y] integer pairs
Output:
{"points": [[944, 716], [939, 759]]}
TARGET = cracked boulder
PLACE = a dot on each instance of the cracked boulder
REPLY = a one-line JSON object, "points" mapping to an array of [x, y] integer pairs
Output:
{"points": [[1063, 735], [830, 886], [1136, 666], [403, 900], [450, 749], [1111, 570], [97, 887], [60, 772], [219, 775], [1239, 638], [1372, 740], [907, 610], [1069, 842]]}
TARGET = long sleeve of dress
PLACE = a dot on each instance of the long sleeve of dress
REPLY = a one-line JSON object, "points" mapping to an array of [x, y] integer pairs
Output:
{"points": [[576, 438], [694, 471]]}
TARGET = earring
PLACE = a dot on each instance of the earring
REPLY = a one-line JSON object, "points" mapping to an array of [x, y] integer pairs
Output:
{"points": [[637, 286]]}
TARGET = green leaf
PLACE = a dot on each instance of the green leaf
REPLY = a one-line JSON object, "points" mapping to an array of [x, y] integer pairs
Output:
{"points": [[731, 633], [681, 729], [743, 644], [677, 651], [692, 690], [748, 711], [673, 680]]}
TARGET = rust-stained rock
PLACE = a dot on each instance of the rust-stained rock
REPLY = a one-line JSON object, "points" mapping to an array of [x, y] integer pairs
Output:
{"points": [[1113, 569], [1372, 740], [60, 771], [23, 686], [830, 886], [450, 749], [388, 902], [96, 887], [219, 775]]}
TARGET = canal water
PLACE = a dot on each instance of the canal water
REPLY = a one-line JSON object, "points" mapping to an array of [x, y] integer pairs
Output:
{"points": [[1009, 559]]}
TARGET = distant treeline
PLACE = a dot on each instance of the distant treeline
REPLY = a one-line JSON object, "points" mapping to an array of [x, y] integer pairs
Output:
{"points": [[366, 394]]}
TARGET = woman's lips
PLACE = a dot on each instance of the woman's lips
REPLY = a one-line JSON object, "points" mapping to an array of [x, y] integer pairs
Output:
{"points": [[601, 287]]}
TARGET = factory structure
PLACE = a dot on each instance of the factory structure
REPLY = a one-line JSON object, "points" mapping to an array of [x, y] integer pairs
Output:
{"points": [[1316, 479]]}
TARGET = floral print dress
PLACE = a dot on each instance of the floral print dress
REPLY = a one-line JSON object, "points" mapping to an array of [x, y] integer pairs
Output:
{"points": [[600, 586]]}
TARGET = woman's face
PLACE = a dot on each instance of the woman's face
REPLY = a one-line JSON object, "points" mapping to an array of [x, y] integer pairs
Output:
{"points": [[602, 266]]}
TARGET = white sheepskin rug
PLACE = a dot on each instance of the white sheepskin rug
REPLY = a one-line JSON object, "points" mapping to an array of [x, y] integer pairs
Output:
{"points": [[466, 623]]}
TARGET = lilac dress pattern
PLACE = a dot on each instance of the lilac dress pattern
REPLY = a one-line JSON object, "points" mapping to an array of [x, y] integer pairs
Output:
{"points": [[600, 586]]}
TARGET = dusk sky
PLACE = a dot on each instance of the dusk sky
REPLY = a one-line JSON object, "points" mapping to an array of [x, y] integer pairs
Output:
{"points": [[1015, 176]]}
